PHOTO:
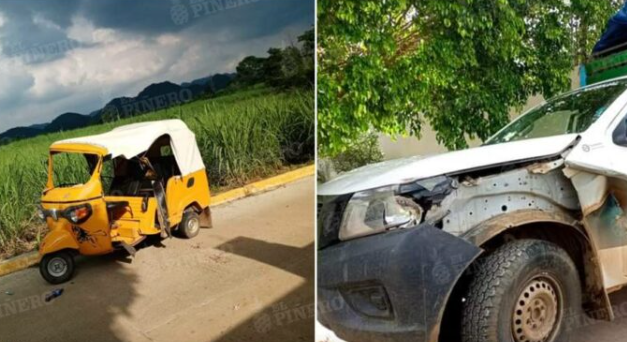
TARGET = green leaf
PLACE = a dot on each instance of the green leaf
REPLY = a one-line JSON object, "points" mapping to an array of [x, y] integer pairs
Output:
{"points": [[394, 65]]}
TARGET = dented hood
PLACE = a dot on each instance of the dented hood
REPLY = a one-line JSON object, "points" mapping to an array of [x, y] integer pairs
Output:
{"points": [[405, 170]]}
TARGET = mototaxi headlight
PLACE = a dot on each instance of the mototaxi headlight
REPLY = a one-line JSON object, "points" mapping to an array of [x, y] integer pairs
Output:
{"points": [[373, 211], [73, 216], [78, 214]]}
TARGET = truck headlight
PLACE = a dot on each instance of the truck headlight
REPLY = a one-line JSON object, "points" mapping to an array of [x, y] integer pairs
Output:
{"points": [[373, 211]]}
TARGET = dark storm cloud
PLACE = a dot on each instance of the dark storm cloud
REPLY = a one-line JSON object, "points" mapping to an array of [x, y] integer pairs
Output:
{"points": [[31, 23], [35, 30], [247, 17], [32, 27], [48, 68], [59, 12]]}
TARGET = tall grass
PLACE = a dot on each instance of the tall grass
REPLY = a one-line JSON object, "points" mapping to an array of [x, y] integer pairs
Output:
{"points": [[242, 136]]}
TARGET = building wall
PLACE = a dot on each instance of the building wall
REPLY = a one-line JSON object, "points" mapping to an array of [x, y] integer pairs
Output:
{"points": [[410, 146]]}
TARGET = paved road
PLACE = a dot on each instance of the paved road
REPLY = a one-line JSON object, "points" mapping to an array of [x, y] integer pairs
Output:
{"points": [[248, 279]]}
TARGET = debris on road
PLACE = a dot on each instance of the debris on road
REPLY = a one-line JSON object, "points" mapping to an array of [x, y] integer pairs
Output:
{"points": [[8, 293], [54, 294]]}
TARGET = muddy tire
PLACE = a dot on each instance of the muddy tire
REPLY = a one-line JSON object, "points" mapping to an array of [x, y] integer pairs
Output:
{"points": [[58, 267], [190, 225], [525, 291]]}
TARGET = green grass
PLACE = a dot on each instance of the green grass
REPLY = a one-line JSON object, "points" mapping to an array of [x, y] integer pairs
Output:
{"points": [[242, 136]]}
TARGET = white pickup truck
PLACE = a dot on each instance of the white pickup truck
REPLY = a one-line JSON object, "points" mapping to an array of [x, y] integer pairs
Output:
{"points": [[511, 241]]}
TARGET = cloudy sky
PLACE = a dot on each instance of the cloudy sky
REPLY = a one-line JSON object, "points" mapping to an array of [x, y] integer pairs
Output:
{"points": [[61, 56]]}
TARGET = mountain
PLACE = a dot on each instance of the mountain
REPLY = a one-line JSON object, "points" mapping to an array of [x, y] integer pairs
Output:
{"points": [[63, 122], [19, 133], [154, 97], [38, 126], [216, 82], [157, 89], [221, 81], [68, 121], [201, 82]]}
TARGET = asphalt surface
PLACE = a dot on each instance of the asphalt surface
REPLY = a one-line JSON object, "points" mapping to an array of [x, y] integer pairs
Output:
{"points": [[250, 278], [592, 330]]}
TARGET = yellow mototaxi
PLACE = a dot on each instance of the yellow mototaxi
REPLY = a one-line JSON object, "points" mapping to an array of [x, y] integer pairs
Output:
{"points": [[110, 191]]}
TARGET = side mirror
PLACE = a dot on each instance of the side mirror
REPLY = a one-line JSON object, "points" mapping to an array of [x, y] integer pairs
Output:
{"points": [[619, 136]]}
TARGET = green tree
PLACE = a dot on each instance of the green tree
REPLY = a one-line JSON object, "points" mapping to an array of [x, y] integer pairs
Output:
{"points": [[273, 67], [308, 40], [292, 66], [250, 70], [588, 22], [458, 65], [308, 50], [365, 151]]}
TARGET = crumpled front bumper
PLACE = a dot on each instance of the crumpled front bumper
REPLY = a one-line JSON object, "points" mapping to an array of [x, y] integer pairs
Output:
{"points": [[392, 286]]}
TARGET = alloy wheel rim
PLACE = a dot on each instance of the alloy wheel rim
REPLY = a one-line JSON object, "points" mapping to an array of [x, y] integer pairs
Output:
{"points": [[537, 312]]}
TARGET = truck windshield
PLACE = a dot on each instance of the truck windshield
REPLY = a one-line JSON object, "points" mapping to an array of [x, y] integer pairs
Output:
{"points": [[570, 113], [70, 169]]}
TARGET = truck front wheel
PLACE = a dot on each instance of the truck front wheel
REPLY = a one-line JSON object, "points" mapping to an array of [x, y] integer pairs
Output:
{"points": [[525, 291]]}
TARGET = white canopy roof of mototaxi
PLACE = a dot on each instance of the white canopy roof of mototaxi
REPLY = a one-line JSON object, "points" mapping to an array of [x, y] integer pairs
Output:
{"points": [[131, 140]]}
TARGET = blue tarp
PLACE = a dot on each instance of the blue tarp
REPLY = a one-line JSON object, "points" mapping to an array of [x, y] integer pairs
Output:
{"points": [[615, 33]]}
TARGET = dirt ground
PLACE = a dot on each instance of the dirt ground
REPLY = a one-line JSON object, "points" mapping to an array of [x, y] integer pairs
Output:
{"points": [[601, 331], [597, 331], [251, 278]]}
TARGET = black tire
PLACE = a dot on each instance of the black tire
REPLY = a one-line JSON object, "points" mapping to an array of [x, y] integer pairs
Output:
{"points": [[58, 267], [190, 225], [523, 291]]}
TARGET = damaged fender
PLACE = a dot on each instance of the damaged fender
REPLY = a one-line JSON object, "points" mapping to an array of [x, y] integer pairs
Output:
{"points": [[57, 240], [393, 286], [594, 283]]}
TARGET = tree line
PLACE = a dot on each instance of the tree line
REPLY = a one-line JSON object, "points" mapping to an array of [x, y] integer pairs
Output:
{"points": [[292, 66]]}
